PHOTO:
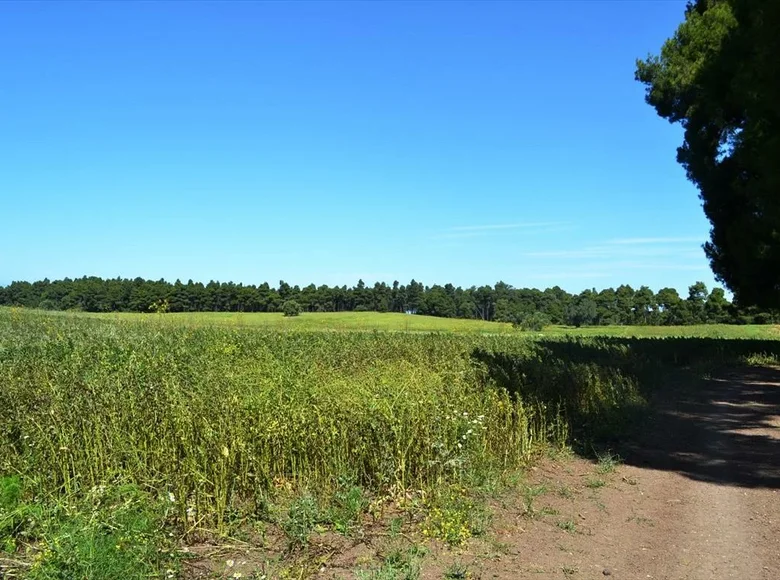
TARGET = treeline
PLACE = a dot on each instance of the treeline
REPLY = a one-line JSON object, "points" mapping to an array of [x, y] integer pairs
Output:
{"points": [[501, 302]]}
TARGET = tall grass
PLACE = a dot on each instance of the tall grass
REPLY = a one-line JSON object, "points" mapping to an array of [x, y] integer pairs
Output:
{"points": [[216, 417]]}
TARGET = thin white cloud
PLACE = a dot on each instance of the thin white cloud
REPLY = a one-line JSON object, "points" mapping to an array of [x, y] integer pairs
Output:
{"points": [[678, 247], [564, 275], [647, 241], [491, 227], [595, 252], [497, 229]]}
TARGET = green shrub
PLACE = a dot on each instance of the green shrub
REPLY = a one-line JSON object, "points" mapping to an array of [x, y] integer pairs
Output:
{"points": [[291, 308], [302, 515], [535, 321]]}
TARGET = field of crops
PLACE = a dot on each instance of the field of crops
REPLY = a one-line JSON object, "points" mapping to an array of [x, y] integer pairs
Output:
{"points": [[161, 430]]}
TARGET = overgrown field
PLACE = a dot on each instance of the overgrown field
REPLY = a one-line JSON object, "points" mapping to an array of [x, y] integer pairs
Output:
{"points": [[120, 438]]}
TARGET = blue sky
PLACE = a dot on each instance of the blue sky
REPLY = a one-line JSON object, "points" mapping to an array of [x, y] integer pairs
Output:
{"points": [[325, 142]]}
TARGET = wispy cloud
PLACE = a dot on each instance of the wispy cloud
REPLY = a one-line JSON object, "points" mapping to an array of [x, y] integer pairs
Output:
{"points": [[607, 268], [678, 247], [650, 241], [476, 231], [492, 227]]}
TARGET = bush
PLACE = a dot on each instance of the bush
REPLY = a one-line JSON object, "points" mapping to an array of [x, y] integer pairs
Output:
{"points": [[291, 308], [535, 321]]}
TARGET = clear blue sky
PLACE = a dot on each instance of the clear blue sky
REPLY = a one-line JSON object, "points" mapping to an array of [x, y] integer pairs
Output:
{"points": [[325, 142]]}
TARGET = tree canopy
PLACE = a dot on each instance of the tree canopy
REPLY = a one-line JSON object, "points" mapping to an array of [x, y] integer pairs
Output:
{"points": [[719, 77], [500, 302]]}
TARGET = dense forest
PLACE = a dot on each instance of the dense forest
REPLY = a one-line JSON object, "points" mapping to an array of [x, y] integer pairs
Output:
{"points": [[500, 302]]}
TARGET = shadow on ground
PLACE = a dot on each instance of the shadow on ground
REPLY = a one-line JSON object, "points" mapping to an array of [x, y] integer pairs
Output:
{"points": [[720, 426], [724, 429]]}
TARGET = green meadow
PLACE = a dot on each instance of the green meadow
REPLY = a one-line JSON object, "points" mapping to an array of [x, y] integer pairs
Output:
{"points": [[391, 321]]}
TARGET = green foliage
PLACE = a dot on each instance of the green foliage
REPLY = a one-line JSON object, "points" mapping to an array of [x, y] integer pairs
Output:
{"points": [[160, 306], [582, 311], [530, 493], [608, 462], [109, 532], [346, 510], [501, 303], [455, 517], [595, 483], [291, 308], [10, 492], [568, 526], [302, 515], [456, 571], [719, 77], [536, 321], [397, 565]]}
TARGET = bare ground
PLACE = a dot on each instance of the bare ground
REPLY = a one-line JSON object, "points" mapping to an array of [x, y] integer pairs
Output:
{"points": [[696, 497]]}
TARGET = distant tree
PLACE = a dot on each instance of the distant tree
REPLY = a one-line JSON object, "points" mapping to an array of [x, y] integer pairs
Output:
{"points": [[291, 308], [581, 311], [467, 309], [716, 307], [645, 305], [437, 302], [414, 296], [504, 311], [553, 302], [606, 307], [501, 302], [697, 296], [397, 297], [285, 291], [484, 302], [624, 301]]}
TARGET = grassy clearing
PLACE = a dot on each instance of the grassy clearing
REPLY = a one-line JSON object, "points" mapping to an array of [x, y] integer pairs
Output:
{"points": [[137, 427], [390, 321], [322, 321]]}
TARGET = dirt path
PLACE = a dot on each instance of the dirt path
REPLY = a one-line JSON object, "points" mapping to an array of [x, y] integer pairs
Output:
{"points": [[697, 498]]}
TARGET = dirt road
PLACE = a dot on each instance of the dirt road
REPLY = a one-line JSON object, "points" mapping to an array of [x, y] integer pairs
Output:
{"points": [[697, 497]]}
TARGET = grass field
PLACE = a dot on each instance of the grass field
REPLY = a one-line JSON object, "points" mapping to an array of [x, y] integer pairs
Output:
{"points": [[387, 321], [123, 437]]}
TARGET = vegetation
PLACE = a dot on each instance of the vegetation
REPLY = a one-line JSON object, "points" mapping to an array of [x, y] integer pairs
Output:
{"points": [[395, 322], [121, 435], [291, 308], [719, 77], [499, 303]]}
